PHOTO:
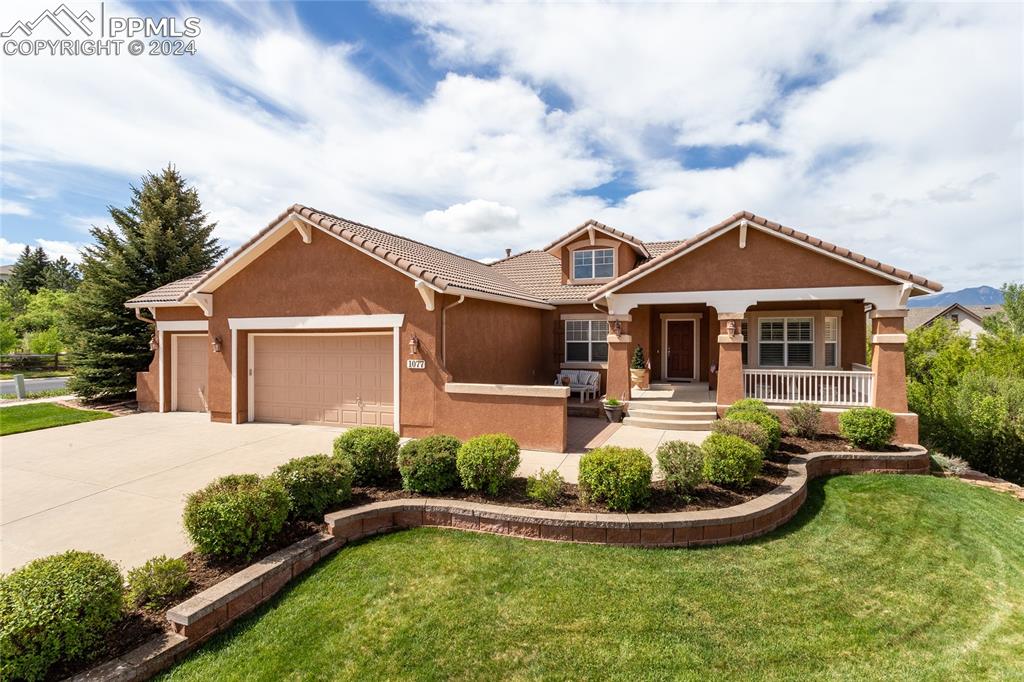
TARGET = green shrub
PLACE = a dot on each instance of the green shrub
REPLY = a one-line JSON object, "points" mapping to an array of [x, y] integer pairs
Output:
{"points": [[58, 608], [747, 405], [619, 477], [235, 516], [373, 451], [155, 583], [315, 483], [867, 427], [682, 464], [487, 463], [730, 460], [747, 430], [805, 419], [766, 420], [545, 487], [427, 465]]}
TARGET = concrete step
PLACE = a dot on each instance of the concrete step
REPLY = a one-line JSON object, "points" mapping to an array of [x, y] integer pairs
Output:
{"points": [[685, 406], [670, 424], [663, 413]]}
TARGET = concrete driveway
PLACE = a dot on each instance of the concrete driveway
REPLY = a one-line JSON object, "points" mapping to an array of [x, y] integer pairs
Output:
{"points": [[118, 486]]}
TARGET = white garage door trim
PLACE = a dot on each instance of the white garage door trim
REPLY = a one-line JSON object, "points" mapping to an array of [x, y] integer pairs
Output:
{"points": [[394, 322], [174, 371], [174, 326]]}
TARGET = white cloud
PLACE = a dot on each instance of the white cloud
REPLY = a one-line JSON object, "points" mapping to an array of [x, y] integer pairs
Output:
{"points": [[9, 251], [880, 150], [473, 217], [8, 207]]}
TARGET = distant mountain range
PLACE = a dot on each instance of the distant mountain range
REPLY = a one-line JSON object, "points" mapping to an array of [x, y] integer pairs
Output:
{"points": [[971, 296]]}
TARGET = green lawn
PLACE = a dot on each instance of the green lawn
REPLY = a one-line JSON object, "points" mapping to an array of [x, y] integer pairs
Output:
{"points": [[879, 577], [21, 418]]}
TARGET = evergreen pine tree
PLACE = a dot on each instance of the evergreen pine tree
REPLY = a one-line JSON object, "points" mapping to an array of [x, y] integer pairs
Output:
{"points": [[62, 275], [29, 272], [161, 236]]}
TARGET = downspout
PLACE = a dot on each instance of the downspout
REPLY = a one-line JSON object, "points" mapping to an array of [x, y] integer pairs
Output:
{"points": [[444, 334], [144, 319], [605, 311]]}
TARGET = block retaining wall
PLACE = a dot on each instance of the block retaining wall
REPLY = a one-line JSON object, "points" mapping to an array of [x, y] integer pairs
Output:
{"points": [[214, 609]]}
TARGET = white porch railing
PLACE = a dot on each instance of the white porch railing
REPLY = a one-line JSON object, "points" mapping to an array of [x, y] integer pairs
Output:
{"points": [[824, 387]]}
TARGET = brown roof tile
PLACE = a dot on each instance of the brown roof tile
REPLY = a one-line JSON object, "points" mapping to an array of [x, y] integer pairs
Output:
{"points": [[168, 293], [640, 246]]}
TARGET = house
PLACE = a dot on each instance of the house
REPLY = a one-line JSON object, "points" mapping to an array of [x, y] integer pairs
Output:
{"points": [[6, 272], [318, 319], [968, 318]]}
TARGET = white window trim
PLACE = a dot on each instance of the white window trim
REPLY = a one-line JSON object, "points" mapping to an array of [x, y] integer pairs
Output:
{"points": [[395, 323], [174, 371], [785, 319], [839, 341], [590, 342], [680, 317], [593, 248]]}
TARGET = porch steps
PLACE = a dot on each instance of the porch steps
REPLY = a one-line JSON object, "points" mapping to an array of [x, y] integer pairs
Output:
{"points": [[670, 424], [673, 415]]}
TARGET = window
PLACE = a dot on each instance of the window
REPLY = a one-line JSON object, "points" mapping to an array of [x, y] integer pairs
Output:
{"points": [[593, 264], [586, 340], [955, 317], [831, 341], [744, 352], [786, 342]]}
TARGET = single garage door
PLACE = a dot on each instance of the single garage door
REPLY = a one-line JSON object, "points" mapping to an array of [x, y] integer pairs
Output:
{"points": [[190, 368], [333, 379]]}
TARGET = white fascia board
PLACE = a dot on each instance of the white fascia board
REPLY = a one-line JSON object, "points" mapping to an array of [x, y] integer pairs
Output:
{"points": [[738, 300], [318, 322], [469, 293], [182, 326]]}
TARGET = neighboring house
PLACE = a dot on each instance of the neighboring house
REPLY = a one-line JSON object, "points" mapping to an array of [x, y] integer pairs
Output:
{"points": [[5, 272], [321, 320], [968, 318]]}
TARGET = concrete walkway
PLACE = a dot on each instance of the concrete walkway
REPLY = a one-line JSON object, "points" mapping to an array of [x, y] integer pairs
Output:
{"points": [[118, 486]]}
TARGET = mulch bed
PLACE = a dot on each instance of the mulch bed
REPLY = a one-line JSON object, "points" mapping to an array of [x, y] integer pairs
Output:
{"points": [[826, 442], [138, 625]]}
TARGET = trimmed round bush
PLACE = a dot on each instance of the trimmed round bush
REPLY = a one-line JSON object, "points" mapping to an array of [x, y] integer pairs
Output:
{"points": [[235, 516], [427, 465], [315, 483], [867, 427], [545, 487], [487, 463], [749, 431], [766, 420], [730, 460], [682, 464], [373, 451], [619, 477], [58, 608], [747, 405], [155, 583]]}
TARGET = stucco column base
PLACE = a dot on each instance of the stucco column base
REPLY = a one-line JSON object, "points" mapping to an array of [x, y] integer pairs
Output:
{"points": [[618, 382], [889, 383], [729, 388]]}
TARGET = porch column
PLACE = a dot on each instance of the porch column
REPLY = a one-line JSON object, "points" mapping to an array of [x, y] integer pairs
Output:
{"points": [[619, 347], [889, 381], [730, 360]]}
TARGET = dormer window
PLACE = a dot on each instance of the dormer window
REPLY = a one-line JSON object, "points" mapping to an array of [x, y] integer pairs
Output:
{"points": [[593, 264]]}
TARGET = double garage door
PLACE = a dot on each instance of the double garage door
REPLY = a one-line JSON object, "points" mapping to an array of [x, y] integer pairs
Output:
{"points": [[330, 379]]}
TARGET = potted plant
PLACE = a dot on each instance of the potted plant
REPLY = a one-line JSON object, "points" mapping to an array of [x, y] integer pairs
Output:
{"points": [[639, 373], [613, 409]]}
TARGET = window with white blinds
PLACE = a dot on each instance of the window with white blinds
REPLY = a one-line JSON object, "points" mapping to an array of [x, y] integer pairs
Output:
{"points": [[586, 340], [786, 342], [831, 341]]}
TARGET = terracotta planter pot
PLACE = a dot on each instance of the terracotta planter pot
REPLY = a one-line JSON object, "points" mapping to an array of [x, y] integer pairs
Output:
{"points": [[641, 378]]}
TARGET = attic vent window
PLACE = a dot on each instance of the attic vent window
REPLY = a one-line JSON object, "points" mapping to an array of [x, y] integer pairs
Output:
{"points": [[593, 264]]}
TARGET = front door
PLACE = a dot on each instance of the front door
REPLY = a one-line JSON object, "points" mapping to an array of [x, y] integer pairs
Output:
{"points": [[679, 339]]}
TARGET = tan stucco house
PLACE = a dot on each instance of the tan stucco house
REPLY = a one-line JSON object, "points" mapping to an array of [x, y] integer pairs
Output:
{"points": [[969, 319], [318, 319]]}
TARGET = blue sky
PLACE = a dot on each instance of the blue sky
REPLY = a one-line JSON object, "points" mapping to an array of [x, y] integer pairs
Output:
{"points": [[896, 130]]}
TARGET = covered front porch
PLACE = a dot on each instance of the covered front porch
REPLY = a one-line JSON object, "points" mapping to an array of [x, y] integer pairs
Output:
{"points": [[780, 346]]}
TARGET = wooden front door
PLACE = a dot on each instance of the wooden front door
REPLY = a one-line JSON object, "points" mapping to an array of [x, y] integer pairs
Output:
{"points": [[680, 349]]}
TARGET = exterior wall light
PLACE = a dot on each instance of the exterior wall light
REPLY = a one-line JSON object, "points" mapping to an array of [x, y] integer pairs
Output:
{"points": [[731, 327], [414, 345], [218, 345], [154, 342]]}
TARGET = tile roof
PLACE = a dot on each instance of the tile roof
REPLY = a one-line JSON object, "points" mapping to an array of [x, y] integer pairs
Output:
{"points": [[532, 276], [917, 317], [819, 244], [168, 293], [640, 246]]}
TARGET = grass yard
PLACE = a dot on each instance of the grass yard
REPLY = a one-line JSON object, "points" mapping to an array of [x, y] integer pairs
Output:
{"points": [[21, 418], [879, 577]]}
